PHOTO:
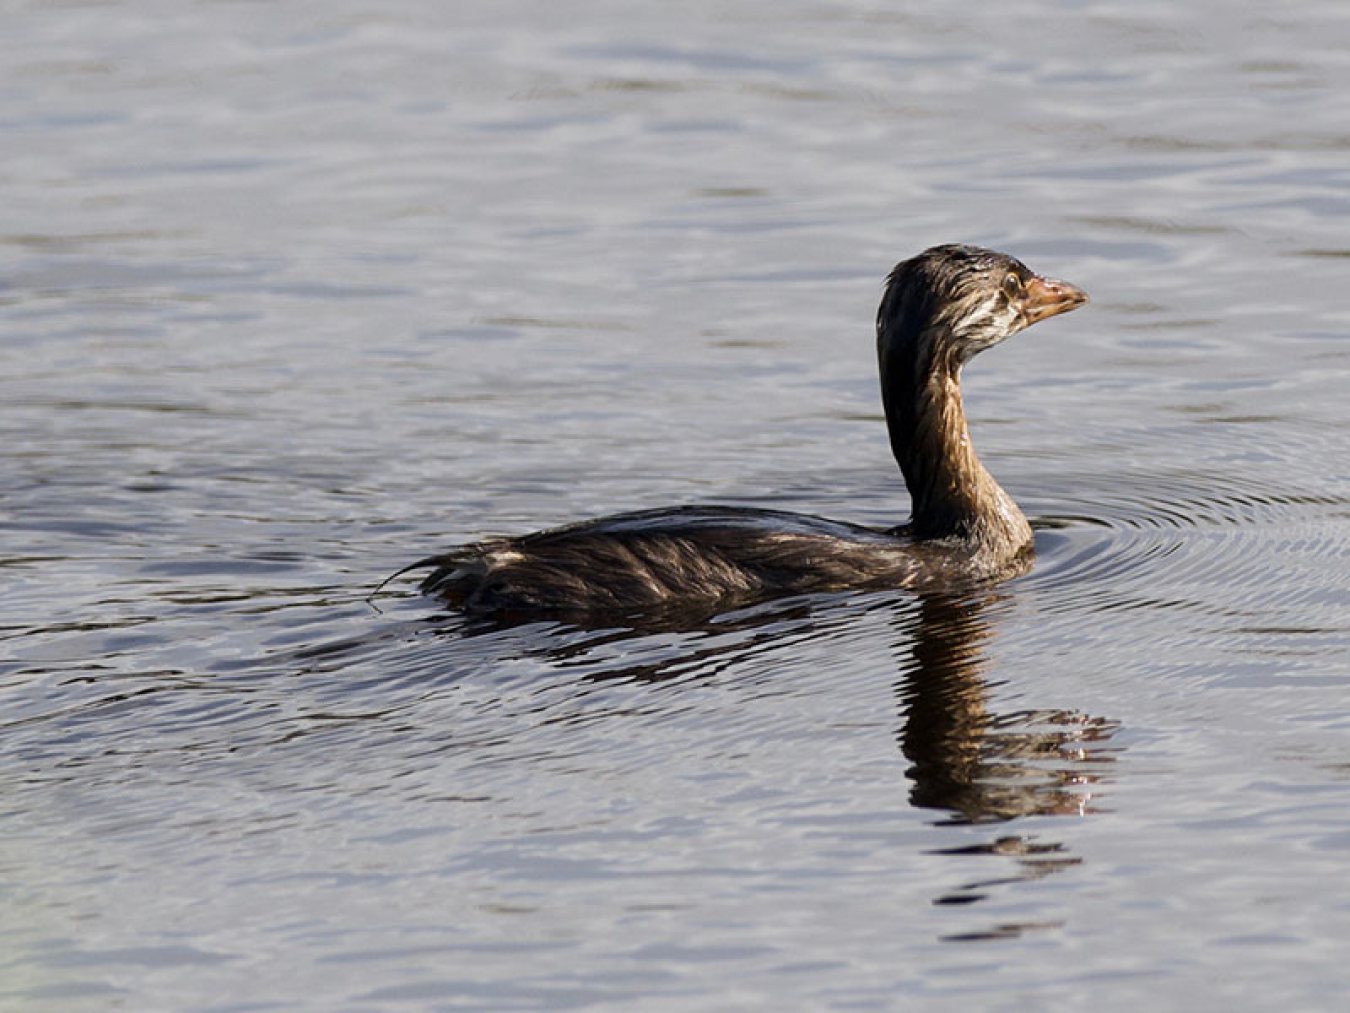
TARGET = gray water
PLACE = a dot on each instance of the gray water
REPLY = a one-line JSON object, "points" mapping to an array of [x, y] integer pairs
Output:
{"points": [[293, 294]]}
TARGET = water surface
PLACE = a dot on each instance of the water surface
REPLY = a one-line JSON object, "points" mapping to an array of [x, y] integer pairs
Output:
{"points": [[292, 295]]}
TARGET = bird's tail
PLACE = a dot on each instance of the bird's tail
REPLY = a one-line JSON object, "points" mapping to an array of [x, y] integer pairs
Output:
{"points": [[454, 574]]}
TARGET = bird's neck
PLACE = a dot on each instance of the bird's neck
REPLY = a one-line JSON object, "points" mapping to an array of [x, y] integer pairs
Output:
{"points": [[953, 495]]}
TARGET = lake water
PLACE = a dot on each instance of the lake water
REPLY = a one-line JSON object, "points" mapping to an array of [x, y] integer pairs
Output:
{"points": [[293, 294]]}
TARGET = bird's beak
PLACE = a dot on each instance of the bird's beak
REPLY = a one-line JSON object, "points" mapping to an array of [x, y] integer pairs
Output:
{"points": [[1048, 297]]}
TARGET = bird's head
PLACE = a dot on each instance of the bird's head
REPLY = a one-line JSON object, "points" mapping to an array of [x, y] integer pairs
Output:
{"points": [[951, 302]]}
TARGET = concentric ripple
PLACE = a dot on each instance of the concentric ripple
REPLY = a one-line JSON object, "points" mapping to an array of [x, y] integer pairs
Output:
{"points": [[1196, 541]]}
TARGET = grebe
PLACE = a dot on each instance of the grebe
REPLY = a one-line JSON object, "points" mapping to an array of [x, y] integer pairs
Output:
{"points": [[939, 309]]}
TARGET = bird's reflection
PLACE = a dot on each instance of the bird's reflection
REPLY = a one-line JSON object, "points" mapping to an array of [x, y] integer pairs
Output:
{"points": [[969, 761], [980, 766]]}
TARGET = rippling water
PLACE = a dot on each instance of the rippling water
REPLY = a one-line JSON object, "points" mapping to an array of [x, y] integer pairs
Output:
{"points": [[295, 294]]}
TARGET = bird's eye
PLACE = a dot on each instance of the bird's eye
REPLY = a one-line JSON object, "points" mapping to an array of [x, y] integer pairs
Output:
{"points": [[1012, 285]]}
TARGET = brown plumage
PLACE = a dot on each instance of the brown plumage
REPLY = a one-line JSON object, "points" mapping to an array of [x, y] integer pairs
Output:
{"points": [[939, 310]]}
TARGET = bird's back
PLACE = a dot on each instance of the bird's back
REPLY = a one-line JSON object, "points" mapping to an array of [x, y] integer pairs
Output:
{"points": [[689, 555]]}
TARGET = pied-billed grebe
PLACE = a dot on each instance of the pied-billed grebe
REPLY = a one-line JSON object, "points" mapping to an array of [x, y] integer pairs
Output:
{"points": [[939, 309]]}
